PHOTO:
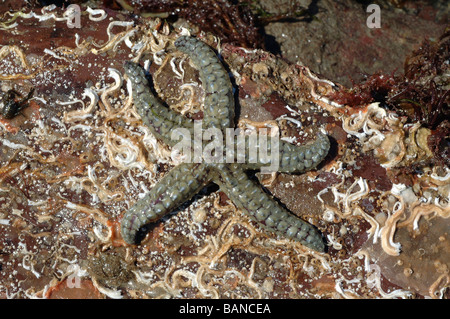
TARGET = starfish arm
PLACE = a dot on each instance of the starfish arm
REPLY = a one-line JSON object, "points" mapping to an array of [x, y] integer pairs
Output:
{"points": [[297, 159], [262, 208], [160, 119], [178, 186], [288, 158], [218, 108]]}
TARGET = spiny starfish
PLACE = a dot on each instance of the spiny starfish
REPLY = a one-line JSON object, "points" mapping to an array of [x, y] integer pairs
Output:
{"points": [[182, 182]]}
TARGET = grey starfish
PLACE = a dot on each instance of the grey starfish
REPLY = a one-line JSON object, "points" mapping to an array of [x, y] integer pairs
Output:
{"points": [[185, 180]]}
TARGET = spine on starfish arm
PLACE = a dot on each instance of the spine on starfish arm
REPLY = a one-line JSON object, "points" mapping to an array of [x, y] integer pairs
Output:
{"points": [[160, 119], [175, 188], [218, 108], [261, 207]]}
